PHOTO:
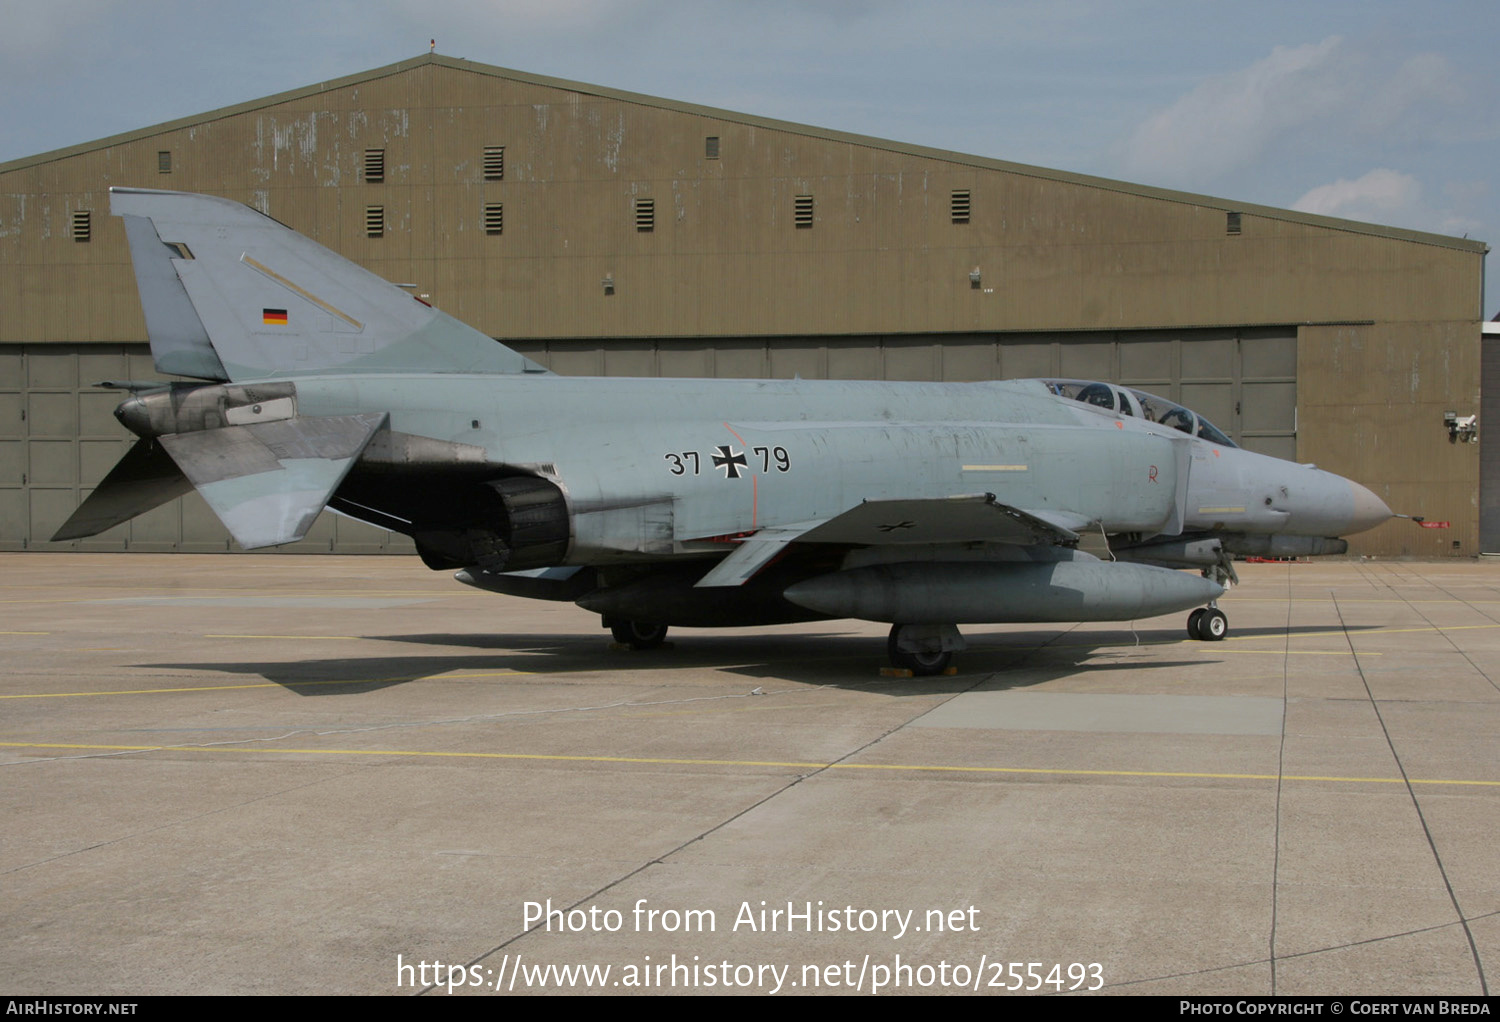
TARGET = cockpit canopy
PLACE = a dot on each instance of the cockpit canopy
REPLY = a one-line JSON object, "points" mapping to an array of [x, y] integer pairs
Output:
{"points": [[1141, 405]]}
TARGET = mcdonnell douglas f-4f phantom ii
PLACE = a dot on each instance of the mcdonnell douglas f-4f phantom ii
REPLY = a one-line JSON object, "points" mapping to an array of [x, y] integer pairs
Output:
{"points": [[658, 502]]}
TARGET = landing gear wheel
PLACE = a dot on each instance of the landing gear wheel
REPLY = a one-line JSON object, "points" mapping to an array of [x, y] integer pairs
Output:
{"points": [[1193, 619], [639, 634], [1213, 625], [921, 664]]}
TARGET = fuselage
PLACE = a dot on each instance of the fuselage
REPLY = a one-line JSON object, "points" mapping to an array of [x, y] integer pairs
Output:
{"points": [[651, 467]]}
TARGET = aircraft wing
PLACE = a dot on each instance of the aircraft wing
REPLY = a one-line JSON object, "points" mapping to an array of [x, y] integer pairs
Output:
{"points": [[971, 518]]}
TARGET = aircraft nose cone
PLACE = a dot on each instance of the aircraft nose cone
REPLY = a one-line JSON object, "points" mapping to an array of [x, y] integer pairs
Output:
{"points": [[1369, 510]]}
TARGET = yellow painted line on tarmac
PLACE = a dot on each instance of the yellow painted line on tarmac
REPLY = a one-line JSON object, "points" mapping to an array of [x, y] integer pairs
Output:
{"points": [[267, 684], [790, 764], [1286, 652]]}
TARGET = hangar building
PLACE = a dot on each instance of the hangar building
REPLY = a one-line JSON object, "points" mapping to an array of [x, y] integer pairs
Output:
{"points": [[603, 232]]}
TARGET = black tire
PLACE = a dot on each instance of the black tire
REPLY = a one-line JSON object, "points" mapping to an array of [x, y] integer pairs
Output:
{"points": [[923, 665], [1213, 625], [639, 634], [1193, 619]]}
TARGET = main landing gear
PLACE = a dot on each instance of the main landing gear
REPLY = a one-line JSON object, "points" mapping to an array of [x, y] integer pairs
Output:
{"points": [[924, 650], [638, 634]]}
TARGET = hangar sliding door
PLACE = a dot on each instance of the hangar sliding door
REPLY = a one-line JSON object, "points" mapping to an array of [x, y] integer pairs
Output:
{"points": [[1243, 380]]}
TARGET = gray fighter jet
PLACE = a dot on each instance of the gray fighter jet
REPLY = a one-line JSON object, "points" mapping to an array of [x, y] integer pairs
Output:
{"points": [[658, 502]]}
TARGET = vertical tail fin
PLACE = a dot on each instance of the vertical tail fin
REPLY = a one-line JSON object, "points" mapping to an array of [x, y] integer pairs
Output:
{"points": [[230, 294]]}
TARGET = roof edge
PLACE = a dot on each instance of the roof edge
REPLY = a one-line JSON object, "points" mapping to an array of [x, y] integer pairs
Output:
{"points": [[981, 162], [21, 163], [770, 123]]}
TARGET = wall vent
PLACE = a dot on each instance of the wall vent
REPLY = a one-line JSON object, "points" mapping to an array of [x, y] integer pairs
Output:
{"points": [[494, 162], [1231, 223], [802, 211], [375, 221], [164, 161], [711, 147], [645, 214], [83, 224], [374, 165], [494, 217], [958, 205]]}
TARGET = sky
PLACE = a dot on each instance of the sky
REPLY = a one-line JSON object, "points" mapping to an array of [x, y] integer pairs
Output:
{"points": [[1378, 110]]}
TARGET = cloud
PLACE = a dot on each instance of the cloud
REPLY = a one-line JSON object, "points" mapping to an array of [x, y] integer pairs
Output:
{"points": [[1321, 97], [1396, 101], [1387, 196], [1381, 192], [1227, 120], [37, 35]]}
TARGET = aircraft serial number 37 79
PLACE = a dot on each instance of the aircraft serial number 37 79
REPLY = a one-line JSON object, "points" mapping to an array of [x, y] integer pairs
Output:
{"points": [[658, 502]]}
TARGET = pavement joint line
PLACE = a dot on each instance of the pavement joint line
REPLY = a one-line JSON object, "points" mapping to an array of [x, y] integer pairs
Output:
{"points": [[793, 764]]}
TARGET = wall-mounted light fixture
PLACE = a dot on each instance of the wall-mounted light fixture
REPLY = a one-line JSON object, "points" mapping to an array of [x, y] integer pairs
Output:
{"points": [[1461, 428]]}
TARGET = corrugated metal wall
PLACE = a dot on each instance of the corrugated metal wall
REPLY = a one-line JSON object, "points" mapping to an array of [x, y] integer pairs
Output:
{"points": [[724, 258]]}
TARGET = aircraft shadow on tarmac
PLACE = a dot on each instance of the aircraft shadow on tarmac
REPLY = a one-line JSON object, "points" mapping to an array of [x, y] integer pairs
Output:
{"points": [[1011, 658]]}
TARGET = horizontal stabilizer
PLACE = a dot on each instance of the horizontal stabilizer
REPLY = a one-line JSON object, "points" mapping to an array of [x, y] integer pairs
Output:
{"points": [[144, 479], [268, 481]]}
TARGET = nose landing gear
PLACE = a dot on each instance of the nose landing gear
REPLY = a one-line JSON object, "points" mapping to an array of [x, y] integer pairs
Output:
{"points": [[1207, 623]]}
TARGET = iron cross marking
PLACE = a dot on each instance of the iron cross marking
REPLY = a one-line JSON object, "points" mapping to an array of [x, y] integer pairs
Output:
{"points": [[730, 461]]}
